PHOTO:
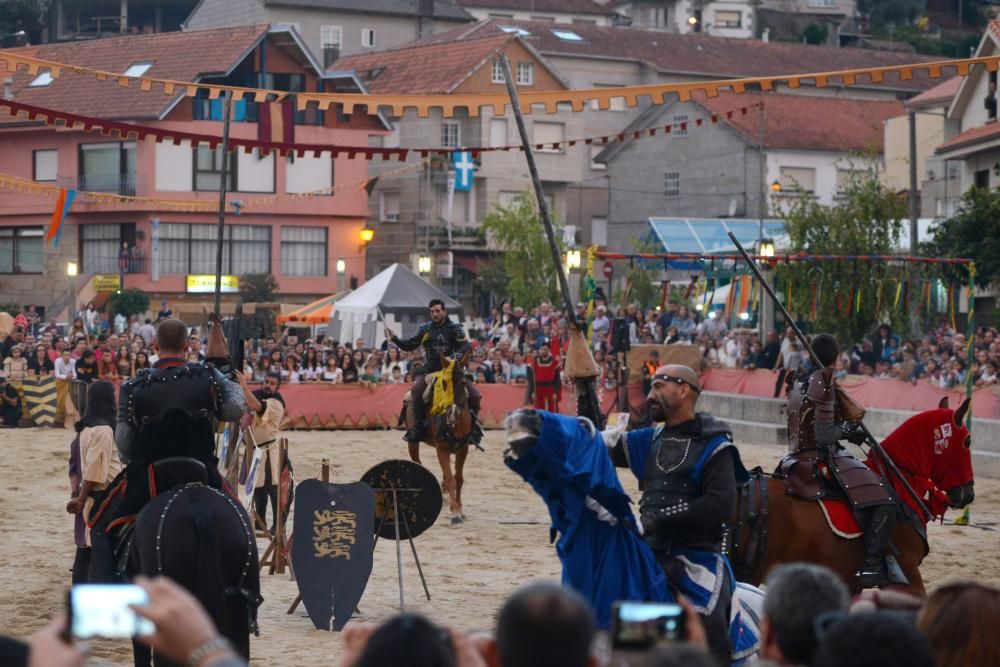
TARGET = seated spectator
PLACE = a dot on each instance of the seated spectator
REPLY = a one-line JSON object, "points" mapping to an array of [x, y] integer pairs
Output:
{"points": [[879, 639], [86, 367], [797, 595], [960, 621], [39, 364], [542, 625], [15, 367]]}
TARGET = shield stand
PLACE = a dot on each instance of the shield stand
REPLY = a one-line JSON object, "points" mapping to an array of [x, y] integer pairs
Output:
{"points": [[397, 517]]}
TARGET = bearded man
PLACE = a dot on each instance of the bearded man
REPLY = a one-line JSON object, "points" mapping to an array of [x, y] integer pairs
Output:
{"points": [[690, 469], [268, 409]]}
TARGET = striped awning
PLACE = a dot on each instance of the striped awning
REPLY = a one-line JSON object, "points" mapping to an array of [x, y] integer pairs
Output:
{"points": [[317, 312]]}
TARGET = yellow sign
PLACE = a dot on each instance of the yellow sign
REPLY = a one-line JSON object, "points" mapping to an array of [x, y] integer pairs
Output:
{"points": [[107, 282], [206, 284]]}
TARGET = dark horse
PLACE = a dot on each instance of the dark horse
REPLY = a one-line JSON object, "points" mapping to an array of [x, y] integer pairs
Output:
{"points": [[201, 538], [450, 429], [931, 449]]}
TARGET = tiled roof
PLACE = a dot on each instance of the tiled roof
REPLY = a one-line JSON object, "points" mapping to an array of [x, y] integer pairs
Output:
{"points": [[940, 95], [695, 54], [540, 6], [443, 9], [807, 122], [969, 137], [182, 56], [994, 27], [423, 69]]}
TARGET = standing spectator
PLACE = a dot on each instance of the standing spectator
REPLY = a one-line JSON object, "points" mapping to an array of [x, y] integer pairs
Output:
{"points": [[39, 364], [86, 367], [123, 257], [147, 332], [98, 464], [123, 364], [348, 371], [683, 323], [332, 372], [164, 312], [601, 322], [883, 340], [141, 361], [65, 366], [10, 404]]}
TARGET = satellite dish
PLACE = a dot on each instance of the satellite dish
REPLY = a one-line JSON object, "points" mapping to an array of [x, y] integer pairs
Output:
{"points": [[732, 208]]}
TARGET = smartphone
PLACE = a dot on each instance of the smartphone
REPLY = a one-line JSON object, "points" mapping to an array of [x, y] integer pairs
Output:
{"points": [[642, 624], [102, 610]]}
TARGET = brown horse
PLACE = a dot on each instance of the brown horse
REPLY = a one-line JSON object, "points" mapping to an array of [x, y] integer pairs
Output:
{"points": [[449, 431], [931, 449]]}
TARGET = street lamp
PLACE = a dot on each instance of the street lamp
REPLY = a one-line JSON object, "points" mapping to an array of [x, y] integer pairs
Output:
{"points": [[72, 269], [366, 234], [776, 186], [766, 248], [573, 259], [341, 270], [424, 265]]}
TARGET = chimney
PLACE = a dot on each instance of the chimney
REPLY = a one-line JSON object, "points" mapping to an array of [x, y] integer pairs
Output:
{"points": [[425, 15], [8, 88]]}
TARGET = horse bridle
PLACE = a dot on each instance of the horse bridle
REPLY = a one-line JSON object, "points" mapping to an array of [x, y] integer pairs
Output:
{"points": [[252, 599]]}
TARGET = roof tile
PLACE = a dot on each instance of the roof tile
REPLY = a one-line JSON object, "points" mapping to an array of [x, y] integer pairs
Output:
{"points": [[181, 56], [541, 6]]}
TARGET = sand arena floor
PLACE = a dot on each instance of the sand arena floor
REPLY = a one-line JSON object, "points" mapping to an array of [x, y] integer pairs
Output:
{"points": [[470, 569]]}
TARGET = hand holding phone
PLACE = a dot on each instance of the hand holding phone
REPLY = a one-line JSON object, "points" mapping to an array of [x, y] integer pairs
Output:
{"points": [[105, 610], [643, 624]]}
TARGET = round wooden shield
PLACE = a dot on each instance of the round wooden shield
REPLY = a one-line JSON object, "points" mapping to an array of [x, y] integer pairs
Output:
{"points": [[418, 496]]}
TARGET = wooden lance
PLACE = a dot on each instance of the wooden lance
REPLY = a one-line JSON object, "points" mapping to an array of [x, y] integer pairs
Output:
{"points": [[580, 364]]}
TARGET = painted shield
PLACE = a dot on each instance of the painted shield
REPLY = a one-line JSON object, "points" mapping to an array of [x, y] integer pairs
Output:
{"points": [[418, 495], [332, 548]]}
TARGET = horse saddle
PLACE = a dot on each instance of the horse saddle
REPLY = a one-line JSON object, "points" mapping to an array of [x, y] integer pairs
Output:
{"points": [[167, 473], [809, 478]]}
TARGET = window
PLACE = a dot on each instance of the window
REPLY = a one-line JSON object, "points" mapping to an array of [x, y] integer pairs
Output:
{"points": [[498, 132], [981, 178], [798, 179], [676, 128], [330, 35], [44, 78], [672, 184], [303, 251], [550, 19], [190, 249], [511, 30], [509, 17], [567, 35], [616, 103], [137, 69], [451, 134], [368, 37], [101, 243], [21, 249], [389, 206], [594, 151], [847, 176], [525, 74], [823, 3], [45, 165], [496, 74], [729, 19], [598, 230], [208, 169], [108, 167], [545, 132], [946, 208]]}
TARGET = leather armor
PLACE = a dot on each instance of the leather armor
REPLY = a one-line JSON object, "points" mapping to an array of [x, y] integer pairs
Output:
{"points": [[448, 339], [811, 403], [671, 480]]}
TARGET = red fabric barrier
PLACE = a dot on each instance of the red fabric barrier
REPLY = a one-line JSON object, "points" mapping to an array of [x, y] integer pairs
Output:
{"points": [[869, 392], [315, 406]]}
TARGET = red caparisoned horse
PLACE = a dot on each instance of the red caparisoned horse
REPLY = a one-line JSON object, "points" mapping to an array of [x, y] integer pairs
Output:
{"points": [[770, 526]]}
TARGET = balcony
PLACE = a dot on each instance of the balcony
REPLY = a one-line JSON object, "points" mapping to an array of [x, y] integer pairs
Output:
{"points": [[120, 184], [101, 263]]}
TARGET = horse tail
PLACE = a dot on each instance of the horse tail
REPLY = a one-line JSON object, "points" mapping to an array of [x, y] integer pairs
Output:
{"points": [[209, 581]]}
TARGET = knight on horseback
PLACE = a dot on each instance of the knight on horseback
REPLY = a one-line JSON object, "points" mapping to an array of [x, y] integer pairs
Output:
{"points": [[690, 469], [820, 415], [438, 337], [165, 435]]}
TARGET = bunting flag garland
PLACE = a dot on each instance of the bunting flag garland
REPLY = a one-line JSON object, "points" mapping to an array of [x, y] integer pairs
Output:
{"points": [[550, 101], [276, 133], [878, 299], [788, 294], [664, 289], [63, 202], [814, 299]]}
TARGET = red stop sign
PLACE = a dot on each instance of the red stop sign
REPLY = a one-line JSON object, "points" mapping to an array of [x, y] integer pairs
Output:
{"points": [[609, 269]]}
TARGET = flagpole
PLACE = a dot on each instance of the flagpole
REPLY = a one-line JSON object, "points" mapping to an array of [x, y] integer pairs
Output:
{"points": [[222, 199]]}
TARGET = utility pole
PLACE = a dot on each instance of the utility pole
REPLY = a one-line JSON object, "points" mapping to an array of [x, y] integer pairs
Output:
{"points": [[914, 201], [220, 239]]}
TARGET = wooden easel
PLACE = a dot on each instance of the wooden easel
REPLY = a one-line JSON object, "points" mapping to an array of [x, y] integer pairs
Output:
{"points": [[324, 474], [274, 555]]}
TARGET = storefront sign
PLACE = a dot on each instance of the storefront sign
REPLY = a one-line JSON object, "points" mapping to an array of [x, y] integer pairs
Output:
{"points": [[206, 284]]}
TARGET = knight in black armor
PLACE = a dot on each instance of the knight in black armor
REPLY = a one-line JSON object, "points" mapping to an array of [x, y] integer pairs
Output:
{"points": [[690, 470], [820, 415], [167, 418], [438, 337]]}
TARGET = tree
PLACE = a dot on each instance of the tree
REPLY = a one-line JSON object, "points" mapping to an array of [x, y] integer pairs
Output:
{"points": [[864, 221], [524, 254], [883, 13], [258, 288], [815, 33], [973, 232], [129, 302]]}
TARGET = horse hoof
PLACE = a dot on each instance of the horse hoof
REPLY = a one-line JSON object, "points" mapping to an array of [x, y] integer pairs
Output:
{"points": [[457, 519]]}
